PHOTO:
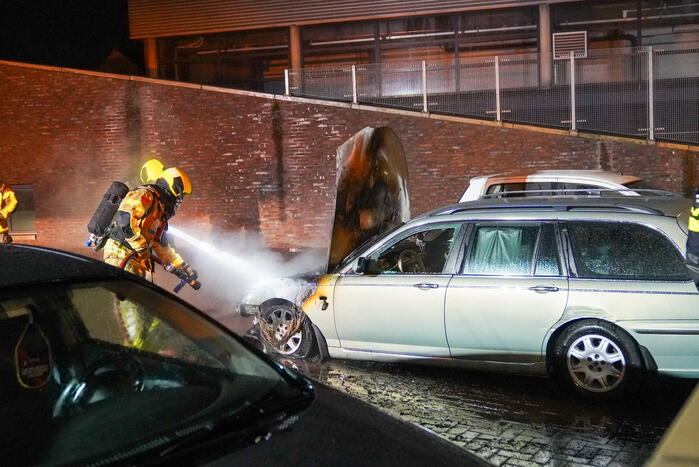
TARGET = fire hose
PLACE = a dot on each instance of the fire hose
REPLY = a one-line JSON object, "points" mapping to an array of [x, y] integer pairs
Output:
{"points": [[183, 276]]}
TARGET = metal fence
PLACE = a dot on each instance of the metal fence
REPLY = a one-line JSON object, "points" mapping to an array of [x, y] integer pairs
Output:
{"points": [[640, 92]]}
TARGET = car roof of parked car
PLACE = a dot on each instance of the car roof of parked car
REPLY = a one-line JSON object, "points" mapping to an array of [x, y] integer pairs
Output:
{"points": [[670, 206], [23, 264], [592, 175]]}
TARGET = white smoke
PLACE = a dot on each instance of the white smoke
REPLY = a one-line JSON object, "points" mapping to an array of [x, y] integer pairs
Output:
{"points": [[230, 264]]}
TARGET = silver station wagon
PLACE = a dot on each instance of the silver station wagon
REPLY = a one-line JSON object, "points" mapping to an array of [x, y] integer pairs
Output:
{"points": [[593, 291]]}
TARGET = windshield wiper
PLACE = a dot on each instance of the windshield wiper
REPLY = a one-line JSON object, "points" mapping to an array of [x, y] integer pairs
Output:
{"points": [[233, 432]]}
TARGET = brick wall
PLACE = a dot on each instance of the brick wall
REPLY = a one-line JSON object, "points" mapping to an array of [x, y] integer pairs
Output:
{"points": [[258, 164]]}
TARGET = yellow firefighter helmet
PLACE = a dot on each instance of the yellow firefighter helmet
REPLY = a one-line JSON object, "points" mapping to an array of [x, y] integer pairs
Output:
{"points": [[176, 181], [151, 170]]}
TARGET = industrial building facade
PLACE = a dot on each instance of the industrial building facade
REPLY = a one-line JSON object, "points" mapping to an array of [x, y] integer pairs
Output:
{"points": [[248, 44]]}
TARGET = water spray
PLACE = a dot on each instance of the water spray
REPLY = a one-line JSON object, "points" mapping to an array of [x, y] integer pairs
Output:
{"points": [[232, 262]]}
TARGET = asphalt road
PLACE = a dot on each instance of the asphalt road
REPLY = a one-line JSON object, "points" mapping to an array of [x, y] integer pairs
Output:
{"points": [[511, 420]]}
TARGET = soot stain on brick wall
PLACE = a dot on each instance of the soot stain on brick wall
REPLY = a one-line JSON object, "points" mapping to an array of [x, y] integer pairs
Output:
{"points": [[278, 143], [133, 125]]}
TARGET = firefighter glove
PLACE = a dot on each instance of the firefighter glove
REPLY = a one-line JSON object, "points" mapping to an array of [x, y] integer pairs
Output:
{"points": [[2, 216]]}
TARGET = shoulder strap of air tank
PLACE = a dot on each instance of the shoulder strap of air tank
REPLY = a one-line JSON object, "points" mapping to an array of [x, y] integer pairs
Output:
{"points": [[155, 192]]}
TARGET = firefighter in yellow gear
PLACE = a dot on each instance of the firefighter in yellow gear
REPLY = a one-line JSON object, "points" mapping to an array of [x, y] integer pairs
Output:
{"points": [[139, 230], [693, 240], [8, 204]]}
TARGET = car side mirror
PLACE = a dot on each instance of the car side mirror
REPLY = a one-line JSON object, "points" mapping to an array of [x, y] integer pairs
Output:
{"points": [[360, 266]]}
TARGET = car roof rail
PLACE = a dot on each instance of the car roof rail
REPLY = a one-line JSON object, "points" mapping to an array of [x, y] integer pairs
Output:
{"points": [[578, 192], [552, 206]]}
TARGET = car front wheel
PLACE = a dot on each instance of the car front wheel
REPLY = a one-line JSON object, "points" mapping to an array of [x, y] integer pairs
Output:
{"points": [[597, 360], [286, 331]]}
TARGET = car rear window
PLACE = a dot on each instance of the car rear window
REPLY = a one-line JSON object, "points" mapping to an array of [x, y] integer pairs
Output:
{"points": [[624, 250]]}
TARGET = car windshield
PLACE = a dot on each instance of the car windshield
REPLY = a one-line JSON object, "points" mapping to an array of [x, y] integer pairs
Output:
{"points": [[363, 246], [114, 367]]}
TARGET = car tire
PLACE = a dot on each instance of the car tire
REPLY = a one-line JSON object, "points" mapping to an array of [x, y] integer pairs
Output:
{"points": [[278, 316], [597, 360]]}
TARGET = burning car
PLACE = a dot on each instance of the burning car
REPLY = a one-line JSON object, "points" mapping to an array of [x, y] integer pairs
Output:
{"points": [[593, 291]]}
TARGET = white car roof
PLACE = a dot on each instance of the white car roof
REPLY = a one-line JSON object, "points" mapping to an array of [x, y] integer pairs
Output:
{"points": [[601, 176]]}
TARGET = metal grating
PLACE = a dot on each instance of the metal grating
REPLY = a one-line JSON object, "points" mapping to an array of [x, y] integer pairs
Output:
{"points": [[566, 42], [637, 92]]}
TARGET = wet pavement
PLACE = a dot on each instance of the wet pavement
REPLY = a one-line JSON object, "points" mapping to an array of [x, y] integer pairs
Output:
{"points": [[511, 420]]}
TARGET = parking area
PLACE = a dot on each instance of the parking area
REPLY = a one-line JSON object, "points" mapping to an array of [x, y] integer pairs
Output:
{"points": [[511, 420]]}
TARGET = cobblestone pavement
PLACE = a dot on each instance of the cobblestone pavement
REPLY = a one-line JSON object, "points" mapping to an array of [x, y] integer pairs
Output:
{"points": [[508, 420]]}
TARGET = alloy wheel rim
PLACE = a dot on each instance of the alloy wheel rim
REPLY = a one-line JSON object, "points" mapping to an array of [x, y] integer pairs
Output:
{"points": [[279, 320], [596, 363]]}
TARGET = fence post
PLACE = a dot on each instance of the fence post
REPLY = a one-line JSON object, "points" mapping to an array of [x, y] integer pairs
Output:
{"points": [[497, 88], [651, 116], [572, 92], [354, 84], [424, 87], [286, 81]]}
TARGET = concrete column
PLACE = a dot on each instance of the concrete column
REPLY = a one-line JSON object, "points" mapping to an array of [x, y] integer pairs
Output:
{"points": [[545, 49], [150, 48], [295, 47]]}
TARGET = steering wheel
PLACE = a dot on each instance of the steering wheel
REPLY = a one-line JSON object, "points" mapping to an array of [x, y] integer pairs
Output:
{"points": [[410, 260], [104, 379]]}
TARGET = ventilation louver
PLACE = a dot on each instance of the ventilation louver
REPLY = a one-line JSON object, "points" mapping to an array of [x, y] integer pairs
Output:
{"points": [[565, 42]]}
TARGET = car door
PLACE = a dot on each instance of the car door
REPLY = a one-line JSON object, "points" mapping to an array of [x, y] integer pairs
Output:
{"points": [[635, 276], [511, 289], [397, 304]]}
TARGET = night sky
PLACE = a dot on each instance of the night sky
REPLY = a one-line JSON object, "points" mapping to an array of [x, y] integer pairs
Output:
{"points": [[70, 33]]}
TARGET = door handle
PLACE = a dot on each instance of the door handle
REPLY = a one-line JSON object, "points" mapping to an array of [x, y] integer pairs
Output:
{"points": [[543, 288], [426, 286]]}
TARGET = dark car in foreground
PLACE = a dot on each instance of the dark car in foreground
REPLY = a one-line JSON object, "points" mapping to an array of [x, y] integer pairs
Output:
{"points": [[74, 393]]}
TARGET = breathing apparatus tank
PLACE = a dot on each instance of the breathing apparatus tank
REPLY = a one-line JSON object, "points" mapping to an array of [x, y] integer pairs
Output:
{"points": [[101, 220]]}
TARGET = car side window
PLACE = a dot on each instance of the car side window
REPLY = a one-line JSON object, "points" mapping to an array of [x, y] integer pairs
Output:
{"points": [[502, 249], [594, 190], [548, 261], [423, 252], [513, 249], [624, 250], [538, 187], [503, 187]]}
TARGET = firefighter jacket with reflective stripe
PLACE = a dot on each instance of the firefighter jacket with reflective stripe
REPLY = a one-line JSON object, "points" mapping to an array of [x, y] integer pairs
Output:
{"points": [[8, 203], [140, 225], [693, 240]]}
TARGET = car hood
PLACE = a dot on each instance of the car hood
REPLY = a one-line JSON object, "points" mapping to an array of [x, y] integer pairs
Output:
{"points": [[372, 190], [340, 430]]}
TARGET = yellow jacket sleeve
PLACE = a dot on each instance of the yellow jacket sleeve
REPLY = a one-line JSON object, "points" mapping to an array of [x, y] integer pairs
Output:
{"points": [[168, 254], [693, 220], [9, 202]]}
